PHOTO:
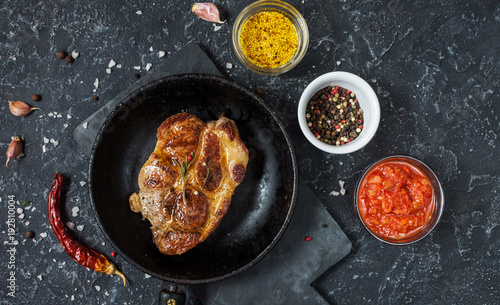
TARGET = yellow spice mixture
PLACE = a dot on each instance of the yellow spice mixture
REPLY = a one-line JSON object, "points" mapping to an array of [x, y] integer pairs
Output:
{"points": [[269, 39]]}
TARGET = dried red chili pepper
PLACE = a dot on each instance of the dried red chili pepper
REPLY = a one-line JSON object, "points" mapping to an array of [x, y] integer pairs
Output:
{"points": [[83, 255]]}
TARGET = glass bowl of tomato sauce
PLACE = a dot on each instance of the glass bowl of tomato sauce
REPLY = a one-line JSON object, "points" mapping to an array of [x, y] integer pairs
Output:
{"points": [[399, 200]]}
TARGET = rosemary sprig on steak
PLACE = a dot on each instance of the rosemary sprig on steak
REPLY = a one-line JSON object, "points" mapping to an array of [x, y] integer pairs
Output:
{"points": [[184, 167]]}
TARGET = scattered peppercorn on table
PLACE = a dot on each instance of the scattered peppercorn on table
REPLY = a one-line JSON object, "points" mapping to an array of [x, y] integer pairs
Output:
{"points": [[432, 65]]}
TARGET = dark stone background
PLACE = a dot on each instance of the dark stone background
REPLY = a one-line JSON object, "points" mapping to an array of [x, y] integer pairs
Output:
{"points": [[433, 64]]}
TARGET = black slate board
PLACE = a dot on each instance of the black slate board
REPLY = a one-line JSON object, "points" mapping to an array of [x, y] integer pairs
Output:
{"points": [[286, 273]]}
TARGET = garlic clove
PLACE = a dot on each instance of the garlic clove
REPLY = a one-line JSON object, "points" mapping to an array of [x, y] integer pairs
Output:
{"points": [[19, 108], [15, 149], [207, 11]]}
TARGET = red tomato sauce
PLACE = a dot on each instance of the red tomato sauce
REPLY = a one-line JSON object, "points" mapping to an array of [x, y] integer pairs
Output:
{"points": [[395, 200]]}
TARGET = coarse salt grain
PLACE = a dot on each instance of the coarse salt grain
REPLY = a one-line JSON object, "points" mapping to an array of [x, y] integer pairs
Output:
{"points": [[54, 142], [85, 125], [137, 67], [139, 12], [80, 227], [70, 225], [98, 288], [151, 49], [229, 65], [111, 64], [161, 54], [43, 234], [68, 116], [147, 276], [75, 54], [96, 84], [19, 210], [45, 140], [82, 183], [342, 189], [148, 66], [108, 70]]}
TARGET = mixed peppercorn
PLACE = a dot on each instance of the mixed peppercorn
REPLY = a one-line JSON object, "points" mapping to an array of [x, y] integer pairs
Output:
{"points": [[334, 116]]}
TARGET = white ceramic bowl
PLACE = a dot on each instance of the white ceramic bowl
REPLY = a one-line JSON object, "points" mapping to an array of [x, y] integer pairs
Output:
{"points": [[367, 99]]}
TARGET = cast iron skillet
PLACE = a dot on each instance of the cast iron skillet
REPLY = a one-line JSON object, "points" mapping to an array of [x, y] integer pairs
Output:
{"points": [[261, 206]]}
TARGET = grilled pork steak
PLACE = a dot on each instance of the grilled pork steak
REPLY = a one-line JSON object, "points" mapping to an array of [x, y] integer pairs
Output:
{"points": [[187, 183]]}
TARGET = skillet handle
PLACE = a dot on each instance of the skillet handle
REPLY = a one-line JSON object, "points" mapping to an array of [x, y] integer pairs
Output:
{"points": [[171, 298]]}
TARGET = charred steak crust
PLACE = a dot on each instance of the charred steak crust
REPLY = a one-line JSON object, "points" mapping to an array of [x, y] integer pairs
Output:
{"points": [[184, 213]]}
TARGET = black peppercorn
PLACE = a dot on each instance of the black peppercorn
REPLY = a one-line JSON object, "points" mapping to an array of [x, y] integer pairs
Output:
{"points": [[30, 234], [36, 97], [137, 75], [95, 98], [69, 59], [61, 54], [260, 92]]}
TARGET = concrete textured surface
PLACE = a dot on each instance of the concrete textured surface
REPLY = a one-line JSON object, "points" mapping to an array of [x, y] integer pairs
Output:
{"points": [[433, 64]]}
